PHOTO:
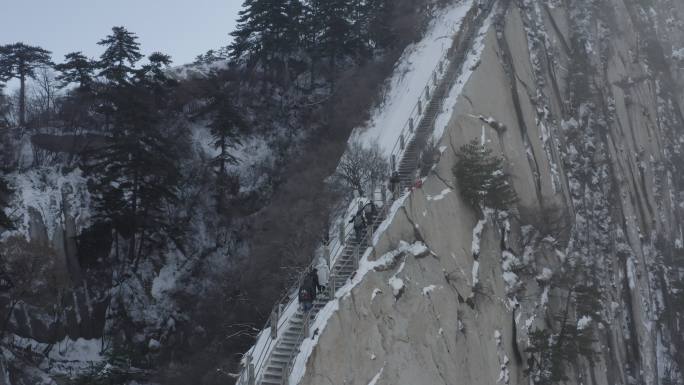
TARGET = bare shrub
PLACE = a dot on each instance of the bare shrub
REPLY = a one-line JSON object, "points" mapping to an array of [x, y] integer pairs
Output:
{"points": [[361, 167]]}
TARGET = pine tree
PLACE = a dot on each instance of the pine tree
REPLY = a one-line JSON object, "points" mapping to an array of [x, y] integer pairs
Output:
{"points": [[121, 53], [378, 27], [544, 364], [154, 70], [268, 32], [337, 36], [137, 173], [20, 61], [226, 128], [76, 69], [5, 222], [481, 178], [551, 352], [212, 56], [226, 125], [4, 108]]}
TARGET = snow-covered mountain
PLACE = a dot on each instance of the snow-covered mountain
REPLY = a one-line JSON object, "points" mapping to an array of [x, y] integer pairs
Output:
{"points": [[580, 281]]}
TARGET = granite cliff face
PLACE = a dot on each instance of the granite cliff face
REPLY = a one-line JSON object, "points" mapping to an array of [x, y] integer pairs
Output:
{"points": [[584, 101]]}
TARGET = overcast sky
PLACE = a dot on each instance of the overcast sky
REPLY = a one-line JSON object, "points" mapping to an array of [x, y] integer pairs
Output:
{"points": [[180, 28]]}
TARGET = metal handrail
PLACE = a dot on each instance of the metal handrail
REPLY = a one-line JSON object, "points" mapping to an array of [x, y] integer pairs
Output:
{"points": [[287, 371], [335, 246], [365, 238], [444, 68], [265, 352], [407, 129], [300, 337], [263, 356]]}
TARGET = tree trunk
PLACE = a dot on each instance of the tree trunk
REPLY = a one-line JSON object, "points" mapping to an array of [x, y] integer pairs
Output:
{"points": [[3, 329], [22, 100], [134, 216]]}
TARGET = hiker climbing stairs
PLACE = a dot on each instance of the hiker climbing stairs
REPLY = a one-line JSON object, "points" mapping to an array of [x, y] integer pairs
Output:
{"points": [[279, 363], [274, 365]]}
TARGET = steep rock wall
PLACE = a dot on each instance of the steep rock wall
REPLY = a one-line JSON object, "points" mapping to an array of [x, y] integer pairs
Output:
{"points": [[53, 217], [590, 95]]}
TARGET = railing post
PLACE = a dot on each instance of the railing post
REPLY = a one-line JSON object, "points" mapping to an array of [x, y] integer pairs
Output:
{"points": [[401, 141], [274, 325], [341, 232], [441, 65], [370, 234], [356, 256], [331, 284], [410, 124], [434, 78], [306, 324], [427, 92], [383, 195], [420, 107], [251, 380], [326, 254], [393, 162]]}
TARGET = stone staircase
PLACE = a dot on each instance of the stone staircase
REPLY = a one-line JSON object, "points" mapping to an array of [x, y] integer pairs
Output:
{"points": [[278, 365], [288, 345], [408, 166]]}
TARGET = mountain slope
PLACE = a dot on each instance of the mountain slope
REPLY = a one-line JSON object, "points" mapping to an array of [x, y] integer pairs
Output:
{"points": [[583, 99]]}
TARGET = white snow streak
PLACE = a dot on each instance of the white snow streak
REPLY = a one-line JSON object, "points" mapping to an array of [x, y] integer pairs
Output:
{"points": [[365, 266], [410, 76], [439, 196], [377, 377]]}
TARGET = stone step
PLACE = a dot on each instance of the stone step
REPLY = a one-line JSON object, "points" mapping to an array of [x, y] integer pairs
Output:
{"points": [[278, 360], [272, 376], [275, 369], [344, 266], [285, 352], [294, 344], [271, 381]]}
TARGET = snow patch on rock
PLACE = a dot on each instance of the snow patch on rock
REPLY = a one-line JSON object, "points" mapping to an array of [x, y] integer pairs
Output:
{"points": [[583, 322], [321, 320], [439, 196], [375, 379], [477, 234], [428, 289]]}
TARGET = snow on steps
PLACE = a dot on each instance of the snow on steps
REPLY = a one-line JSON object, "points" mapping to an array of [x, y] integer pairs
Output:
{"points": [[288, 349], [278, 365], [410, 157]]}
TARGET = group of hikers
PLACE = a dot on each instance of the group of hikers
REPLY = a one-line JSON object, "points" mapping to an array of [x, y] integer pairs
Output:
{"points": [[316, 279]]}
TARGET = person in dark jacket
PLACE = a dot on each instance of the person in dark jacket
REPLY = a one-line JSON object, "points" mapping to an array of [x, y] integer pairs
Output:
{"points": [[369, 213], [316, 286], [394, 184], [359, 224], [307, 292]]}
